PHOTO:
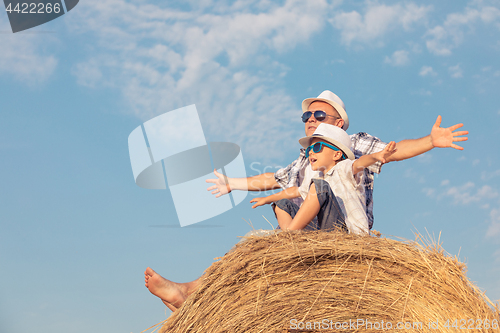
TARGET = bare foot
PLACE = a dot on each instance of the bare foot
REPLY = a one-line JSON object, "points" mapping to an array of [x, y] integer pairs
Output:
{"points": [[171, 293]]}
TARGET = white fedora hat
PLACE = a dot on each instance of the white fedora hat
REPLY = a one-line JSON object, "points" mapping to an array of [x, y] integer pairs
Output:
{"points": [[328, 97], [333, 134]]}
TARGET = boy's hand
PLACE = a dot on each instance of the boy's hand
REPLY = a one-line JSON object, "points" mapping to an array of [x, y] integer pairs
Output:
{"points": [[221, 186], [444, 137], [384, 154], [260, 202]]}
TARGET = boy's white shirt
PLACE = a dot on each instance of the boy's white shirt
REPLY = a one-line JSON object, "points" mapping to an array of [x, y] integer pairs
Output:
{"points": [[348, 189]]}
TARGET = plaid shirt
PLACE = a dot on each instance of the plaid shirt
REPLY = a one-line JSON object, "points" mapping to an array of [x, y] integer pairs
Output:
{"points": [[361, 144]]}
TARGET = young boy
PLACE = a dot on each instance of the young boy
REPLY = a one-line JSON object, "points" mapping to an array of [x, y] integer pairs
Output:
{"points": [[332, 189]]}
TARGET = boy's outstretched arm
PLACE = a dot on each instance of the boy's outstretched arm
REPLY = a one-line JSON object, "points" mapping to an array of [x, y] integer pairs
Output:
{"points": [[439, 138], [289, 193], [382, 156]]}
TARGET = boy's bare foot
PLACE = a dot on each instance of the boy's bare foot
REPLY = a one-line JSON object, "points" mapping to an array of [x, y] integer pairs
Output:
{"points": [[171, 293]]}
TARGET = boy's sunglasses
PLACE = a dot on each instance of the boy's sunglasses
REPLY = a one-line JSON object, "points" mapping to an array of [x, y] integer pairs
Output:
{"points": [[319, 115], [318, 147]]}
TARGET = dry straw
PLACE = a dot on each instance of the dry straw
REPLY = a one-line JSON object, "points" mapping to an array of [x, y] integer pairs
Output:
{"points": [[286, 282]]}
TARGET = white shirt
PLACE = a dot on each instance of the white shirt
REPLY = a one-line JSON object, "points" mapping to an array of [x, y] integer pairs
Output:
{"points": [[349, 190]]}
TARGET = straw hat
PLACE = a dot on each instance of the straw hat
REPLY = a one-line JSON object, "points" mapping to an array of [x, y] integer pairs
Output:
{"points": [[333, 134], [328, 97]]}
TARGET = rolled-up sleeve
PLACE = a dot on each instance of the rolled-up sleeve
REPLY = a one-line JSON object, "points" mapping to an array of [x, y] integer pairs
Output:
{"points": [[364, 144], [282, 176]]}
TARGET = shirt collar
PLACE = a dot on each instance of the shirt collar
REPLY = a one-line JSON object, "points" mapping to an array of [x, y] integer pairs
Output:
{"points": [[330, 172]]}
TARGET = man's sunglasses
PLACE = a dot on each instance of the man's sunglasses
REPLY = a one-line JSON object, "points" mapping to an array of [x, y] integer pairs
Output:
{"points": [[319, 115], [318, 147]]}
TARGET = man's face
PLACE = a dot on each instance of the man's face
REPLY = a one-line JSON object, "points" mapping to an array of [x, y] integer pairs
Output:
{"points": [[333, 119]]}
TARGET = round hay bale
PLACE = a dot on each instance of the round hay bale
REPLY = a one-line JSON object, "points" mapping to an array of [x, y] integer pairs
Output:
{"points": [[325, 282]]}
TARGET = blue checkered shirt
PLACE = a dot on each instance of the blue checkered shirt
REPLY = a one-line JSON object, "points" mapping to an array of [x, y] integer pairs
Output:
{"points": [[361, 144]]}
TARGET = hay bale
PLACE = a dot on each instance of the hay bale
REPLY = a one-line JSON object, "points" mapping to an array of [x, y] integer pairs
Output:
{"points": [[282, 282]]}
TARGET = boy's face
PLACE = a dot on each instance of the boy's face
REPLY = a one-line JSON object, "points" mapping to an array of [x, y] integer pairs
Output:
{"points": [[325, 159]]}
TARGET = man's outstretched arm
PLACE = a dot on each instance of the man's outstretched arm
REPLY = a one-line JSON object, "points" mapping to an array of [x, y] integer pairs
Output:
{"points": [[224, 185], [439, 137]]}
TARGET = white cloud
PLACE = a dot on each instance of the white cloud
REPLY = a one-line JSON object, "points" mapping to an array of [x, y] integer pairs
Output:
{"points": [[90, 74], [398, 58], [494, 227], [464, 194], [445, 182], [24, 56], [429, 191], [378, 20], [456, 71], [442, 39], [487, 175], [415, 47], [163, 58], [427, 70], [496, 258]]}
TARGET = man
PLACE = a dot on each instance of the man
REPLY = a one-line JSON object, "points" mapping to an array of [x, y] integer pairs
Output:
{"points": [[327, 108]]}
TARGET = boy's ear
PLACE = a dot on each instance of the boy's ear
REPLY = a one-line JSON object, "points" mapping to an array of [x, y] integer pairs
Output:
{"points": [[337, 156]]}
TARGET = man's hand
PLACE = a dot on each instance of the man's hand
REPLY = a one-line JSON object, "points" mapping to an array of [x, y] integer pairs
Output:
{"points": [[444, 137], [260, 202], [221, 186], [383, 155]]}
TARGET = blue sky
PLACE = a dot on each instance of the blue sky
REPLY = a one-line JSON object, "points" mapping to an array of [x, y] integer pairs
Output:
{"points": [[76, 233]]}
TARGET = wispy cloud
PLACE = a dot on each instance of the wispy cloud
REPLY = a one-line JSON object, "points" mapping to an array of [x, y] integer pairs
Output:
{"points": [[464, 194], [422, 92], [442, 39], [429, 191], [377, 20], [494, 227], [398, 58], [487, 175], [218, 57], [496, 258], [456, 71], [426, 71], [468, 193], [25, 56]]}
